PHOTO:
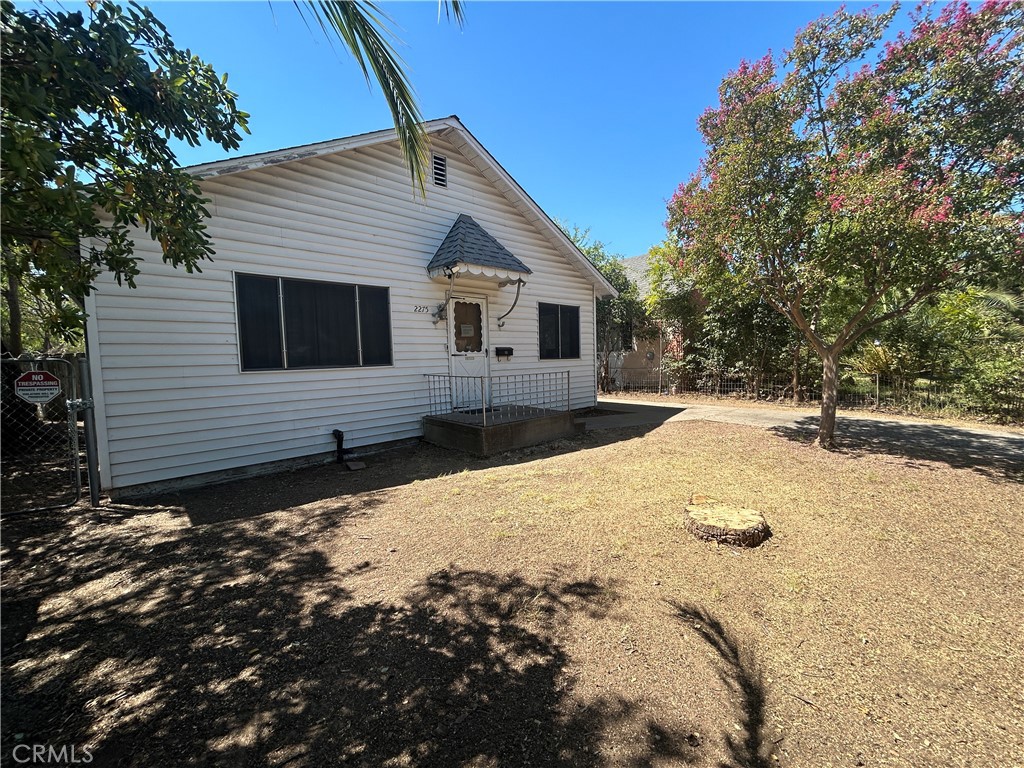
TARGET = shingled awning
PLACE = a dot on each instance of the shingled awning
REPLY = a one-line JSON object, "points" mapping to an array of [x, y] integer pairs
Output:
{"points": [[468, 249]]}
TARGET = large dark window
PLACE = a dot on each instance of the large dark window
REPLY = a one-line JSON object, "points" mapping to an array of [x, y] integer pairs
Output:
{"points": [[559, 331], [325, 325]]}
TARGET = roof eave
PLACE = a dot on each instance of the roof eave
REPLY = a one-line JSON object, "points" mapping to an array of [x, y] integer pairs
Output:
{"points": [[602, 287], [305, 151], [486, 271]]}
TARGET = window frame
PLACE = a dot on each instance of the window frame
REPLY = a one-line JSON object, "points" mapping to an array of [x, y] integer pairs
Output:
{"points": [[282, 322], [579, 331]]}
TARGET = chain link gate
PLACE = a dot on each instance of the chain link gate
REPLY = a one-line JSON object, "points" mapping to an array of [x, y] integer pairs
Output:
{"points": [[40, 440]]}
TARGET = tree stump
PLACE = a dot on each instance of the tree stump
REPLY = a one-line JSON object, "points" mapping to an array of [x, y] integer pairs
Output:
{"points": [[711, 520]]}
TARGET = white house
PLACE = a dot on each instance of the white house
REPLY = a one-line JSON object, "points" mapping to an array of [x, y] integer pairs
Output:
{"points": [[334, 291]]}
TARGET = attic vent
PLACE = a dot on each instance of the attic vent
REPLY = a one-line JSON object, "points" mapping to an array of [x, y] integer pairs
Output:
{"points": [[440, 171]]}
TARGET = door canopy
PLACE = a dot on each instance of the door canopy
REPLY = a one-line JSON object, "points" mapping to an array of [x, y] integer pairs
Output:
{"points": [[469, 250]]}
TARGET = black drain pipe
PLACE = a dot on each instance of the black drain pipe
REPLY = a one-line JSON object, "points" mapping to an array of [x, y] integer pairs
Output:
{"points": [[340, 437]]}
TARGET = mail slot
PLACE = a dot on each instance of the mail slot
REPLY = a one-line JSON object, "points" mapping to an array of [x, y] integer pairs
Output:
{"points": [[503, 351]]}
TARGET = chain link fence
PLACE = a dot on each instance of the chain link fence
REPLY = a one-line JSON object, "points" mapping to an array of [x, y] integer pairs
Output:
{"points": [[40, 439]]}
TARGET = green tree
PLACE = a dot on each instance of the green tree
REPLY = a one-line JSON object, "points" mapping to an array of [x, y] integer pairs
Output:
{"points": [[852, 185], [941, 337], [88, 109], [30, 319], [972, 337], [728, 327], [620, 317], [89, 105]]}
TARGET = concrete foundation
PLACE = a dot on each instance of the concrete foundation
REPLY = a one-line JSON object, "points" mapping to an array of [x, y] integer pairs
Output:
{"points": [[488, 440]]}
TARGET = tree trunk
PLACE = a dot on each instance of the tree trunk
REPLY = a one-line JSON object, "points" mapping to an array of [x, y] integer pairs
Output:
{"points": [[713, 521], [12, 296], [829, 399], [796, 372]]}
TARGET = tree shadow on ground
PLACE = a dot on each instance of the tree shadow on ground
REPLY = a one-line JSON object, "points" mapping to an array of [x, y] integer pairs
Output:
{"points": [[741, 675], [993, 454], [230, 646], [234, 500]]}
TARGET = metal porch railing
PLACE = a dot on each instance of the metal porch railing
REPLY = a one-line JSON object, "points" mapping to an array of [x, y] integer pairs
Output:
{"points": [[494, 399]]}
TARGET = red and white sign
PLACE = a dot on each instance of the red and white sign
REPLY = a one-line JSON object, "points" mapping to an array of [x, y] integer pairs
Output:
{"points": [[37, 386]]}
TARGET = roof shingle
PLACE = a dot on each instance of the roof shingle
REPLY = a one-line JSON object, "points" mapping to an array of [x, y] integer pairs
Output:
{"points": [[469, 243]]}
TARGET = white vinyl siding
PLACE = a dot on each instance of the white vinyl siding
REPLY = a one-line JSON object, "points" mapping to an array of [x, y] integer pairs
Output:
{"points": [[172, 400]]}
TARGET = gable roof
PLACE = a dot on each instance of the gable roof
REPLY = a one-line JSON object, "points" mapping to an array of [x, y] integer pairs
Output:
{"points": [[451, 129], [469, 243]]}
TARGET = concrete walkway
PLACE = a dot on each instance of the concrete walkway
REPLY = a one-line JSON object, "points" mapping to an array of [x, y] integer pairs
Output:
{"points": [[635, 413], [992, 451]]}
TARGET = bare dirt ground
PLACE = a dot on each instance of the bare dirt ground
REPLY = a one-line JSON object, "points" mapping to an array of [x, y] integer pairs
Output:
{"points": [[41, 474], [543, 608]]}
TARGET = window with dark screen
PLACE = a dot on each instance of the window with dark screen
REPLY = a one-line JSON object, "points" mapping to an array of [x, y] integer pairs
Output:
{"points": [[559, 331], [285, 323]]}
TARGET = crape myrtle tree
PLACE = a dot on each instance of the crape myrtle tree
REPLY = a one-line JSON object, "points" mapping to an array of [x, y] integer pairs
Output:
{"points": [[850, 183]]}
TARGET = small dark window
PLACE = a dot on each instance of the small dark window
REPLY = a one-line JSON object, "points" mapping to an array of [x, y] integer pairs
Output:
{"points": [[260, 322], [467, 317], [440, 166], [559, 331], [326, 325], [375, 325]]}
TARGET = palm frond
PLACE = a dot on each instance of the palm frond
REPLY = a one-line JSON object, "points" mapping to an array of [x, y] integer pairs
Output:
{"points": [[1006, 301], [452, 8], [367, 32]]}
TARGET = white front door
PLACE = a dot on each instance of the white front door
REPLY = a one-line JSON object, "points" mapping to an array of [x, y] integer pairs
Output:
{"points": [[468, 351]]}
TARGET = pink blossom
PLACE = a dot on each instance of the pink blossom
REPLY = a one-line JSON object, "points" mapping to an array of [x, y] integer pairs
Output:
{"points": [[994, 6]]}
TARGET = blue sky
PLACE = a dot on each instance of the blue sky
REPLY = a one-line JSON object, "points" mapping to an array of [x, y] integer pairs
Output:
{"points": [[591, 106]]}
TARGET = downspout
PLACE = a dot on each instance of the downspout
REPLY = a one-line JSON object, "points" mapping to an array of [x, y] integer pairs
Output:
{"points": [[340, 437], [89, 419]]}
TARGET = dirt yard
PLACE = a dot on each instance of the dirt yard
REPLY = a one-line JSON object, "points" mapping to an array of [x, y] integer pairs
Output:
{"points": [[545, 608]]}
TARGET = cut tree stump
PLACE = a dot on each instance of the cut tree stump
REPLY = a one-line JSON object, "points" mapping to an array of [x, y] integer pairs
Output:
{"points": [[712, 520]]}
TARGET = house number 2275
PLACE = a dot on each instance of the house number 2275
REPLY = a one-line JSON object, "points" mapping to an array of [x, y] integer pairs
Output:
{"points": [[420, 308]]}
